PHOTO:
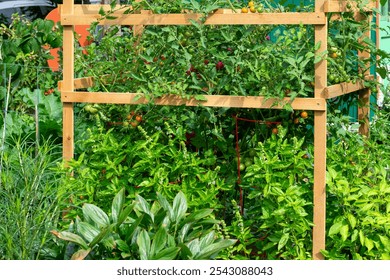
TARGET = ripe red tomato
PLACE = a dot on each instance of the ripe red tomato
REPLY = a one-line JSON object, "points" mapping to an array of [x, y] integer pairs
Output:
{"points": [[138, 118], [219, 65], [134, 124]]}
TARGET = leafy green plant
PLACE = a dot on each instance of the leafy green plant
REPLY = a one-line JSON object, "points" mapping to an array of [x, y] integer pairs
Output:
{"points": [[240, 229], [358, 204], [31, 199], [145, 164], [25, 47], [143, 230], [32, 113], [279, 185], [33, 104]]}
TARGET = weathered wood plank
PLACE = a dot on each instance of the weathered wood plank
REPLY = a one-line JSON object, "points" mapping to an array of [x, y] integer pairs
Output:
{"points": [[320, 130], [85, 15], [68, 75], [344, 88], [316, 104]]}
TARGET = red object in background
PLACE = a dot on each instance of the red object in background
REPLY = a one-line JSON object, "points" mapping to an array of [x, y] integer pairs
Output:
{"points": [[81, 30]]}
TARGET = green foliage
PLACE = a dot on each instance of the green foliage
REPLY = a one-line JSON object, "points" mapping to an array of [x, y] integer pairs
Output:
{"points": [[200, 59], [25, 75], [176, 164], [358, 202], [32, 111], [145, 231], [145, 164], [280, 193], [22, 49], [31, 199]]}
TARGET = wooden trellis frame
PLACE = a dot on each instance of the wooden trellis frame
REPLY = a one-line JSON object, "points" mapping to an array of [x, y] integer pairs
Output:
{"points": [[72, 15]]}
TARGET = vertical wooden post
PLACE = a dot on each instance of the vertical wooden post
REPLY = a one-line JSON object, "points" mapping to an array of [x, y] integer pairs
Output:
{"points": [[138, 29], [319, 197], [364, 94], [364, 111], [68, 84]]}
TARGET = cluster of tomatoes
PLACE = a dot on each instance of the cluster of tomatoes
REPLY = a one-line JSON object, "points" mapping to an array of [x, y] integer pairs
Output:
{"points": [[253, 8], [132, 120], [247, 155], [337, 72]]}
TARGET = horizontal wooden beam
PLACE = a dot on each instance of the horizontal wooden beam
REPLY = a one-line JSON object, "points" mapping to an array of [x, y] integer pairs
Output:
{"points": [[344, 88], [338, 6], [79, 83], [86, 14], [329, 92], [315, 104]]}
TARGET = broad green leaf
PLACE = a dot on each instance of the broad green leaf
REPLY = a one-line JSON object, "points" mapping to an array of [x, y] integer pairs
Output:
{"points": [[195, 5], [143, 206], [88, 231], [352, 220], [283, 240], [369, 244], [122, 245], [354, 235], [71, 237], [102, 12], [102, 234], [185, 252], [96, 215], [165, 204], [112, 5], [159, 241], [109, 242], [131, 230], [194, 246], [209, 251], [332, 173], [385, 241], [167, 254], [207, 240], [143, 242], [198, 215], [317, 46], [52, 106], [125, 213], [179, 207], [362, 237], [183, 232], [385, 256], [81, 254], [335, 228], [117, 205], [344, 231]]}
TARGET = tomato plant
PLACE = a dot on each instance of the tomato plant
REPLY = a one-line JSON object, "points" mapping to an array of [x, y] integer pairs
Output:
{"points": [[252, 167]]}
